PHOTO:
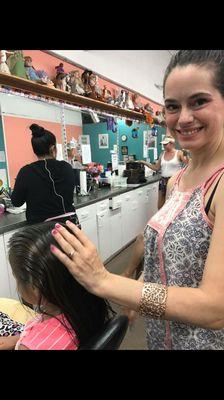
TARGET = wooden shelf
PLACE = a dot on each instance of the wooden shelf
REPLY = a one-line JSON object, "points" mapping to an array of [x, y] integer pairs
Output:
{"points": [[25, 85]]}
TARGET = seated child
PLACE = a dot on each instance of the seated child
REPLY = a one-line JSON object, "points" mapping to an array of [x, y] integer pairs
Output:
{"points": [[68, 315]]}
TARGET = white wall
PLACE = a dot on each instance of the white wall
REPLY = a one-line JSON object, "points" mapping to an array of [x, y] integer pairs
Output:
{"points": [[27, 108], [136, 69]]}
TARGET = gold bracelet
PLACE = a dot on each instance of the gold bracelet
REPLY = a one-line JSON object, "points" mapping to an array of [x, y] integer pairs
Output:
{"points": [[153, 300]]}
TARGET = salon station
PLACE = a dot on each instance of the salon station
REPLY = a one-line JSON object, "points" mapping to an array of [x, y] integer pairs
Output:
{"points": [[102, 126]]}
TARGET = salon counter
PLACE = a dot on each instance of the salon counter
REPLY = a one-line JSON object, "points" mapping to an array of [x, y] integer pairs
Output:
{"points": [[10, 222]]}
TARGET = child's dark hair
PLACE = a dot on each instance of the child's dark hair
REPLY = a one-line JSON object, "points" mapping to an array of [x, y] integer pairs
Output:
{"points": [[42, 140], [33, 263], [213, 59]]}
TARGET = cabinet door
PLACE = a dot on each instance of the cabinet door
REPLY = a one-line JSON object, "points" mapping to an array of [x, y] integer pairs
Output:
{"points": [[154, 197], [104, 234], [116, 225], [12, 281], [4, 276], [103, 228], [87, 219]]}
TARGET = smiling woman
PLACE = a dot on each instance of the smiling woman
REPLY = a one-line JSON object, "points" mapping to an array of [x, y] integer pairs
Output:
{"points": [[182, 296]]}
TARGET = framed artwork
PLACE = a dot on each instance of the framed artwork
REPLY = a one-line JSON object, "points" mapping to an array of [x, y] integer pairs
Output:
{"points": [[103, 141], [124, 150], [134, 133]]}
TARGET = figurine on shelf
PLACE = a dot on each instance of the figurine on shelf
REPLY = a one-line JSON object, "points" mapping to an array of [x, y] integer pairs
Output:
{"points": [[128, 102], [120, 99], [3, 66], [148, 108], [16, 64], [85, 80], [60, 69], [96, 91], [62, 82], [138, 106], [39, 76], [76, 83], [107, 96], [159, 118]]}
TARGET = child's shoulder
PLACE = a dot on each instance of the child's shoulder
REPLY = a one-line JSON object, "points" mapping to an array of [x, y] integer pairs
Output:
{"points": [[49, 334]]}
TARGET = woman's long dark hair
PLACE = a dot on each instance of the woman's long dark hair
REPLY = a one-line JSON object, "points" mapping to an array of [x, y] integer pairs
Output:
{"points": [[33, 263]]}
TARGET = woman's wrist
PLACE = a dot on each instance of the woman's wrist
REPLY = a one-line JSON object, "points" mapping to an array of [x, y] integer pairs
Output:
{"points": [[153, 300]]}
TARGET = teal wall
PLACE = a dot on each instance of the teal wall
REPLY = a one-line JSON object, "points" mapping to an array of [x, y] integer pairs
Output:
{"points": [[135, 146], [3, 165]]}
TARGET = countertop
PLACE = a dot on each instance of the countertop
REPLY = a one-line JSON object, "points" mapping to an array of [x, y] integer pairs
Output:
{"points": [[10, 222]]}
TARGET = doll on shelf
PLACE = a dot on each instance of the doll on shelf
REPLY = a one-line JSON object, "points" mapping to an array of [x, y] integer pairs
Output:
{"points": [[62, 82], [3, 65], [138, 106], [39, 76], [60, 69], [120, 99], [96, 91], [159, 118], [16, 64], [85, 80], [76, 83], [107, 96], [128, 102]]}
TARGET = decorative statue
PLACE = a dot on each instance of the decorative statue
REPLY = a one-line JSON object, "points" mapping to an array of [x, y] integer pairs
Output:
{"points": [[76, 83], [3, 66], [85, 80], [60, 69], [128, 102], [39, 76], [16, 64]]}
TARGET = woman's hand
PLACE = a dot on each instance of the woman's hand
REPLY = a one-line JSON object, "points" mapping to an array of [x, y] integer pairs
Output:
{"points": [[80, 256], [8, 342]]}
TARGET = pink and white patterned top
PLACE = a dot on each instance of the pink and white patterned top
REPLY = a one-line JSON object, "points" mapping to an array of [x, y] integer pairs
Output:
{"points": [[177, 240], [49, 334]]}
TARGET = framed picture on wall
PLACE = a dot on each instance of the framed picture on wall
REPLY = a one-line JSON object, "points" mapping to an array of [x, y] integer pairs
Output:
{"points": [[103, 141], [124, 150]]}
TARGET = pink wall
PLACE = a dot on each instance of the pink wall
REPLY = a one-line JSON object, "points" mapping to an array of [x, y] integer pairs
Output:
{"points": [[48, 62], [18, 141]]}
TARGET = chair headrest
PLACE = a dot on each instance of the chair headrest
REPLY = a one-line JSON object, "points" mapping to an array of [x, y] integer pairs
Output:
{"points": [[110, 336]]}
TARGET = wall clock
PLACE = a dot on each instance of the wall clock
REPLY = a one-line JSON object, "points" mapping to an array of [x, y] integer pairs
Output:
{"points": [[124, 138]]}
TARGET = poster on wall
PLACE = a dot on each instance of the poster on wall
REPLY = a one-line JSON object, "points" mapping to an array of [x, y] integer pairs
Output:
{"points": [[3, 177], [114, 160], [145, 144], [84, 139], [103, 141]]}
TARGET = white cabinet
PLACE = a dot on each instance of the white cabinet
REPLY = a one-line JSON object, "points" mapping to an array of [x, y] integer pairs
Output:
{"points": [[12, 282], [87, 219], [154, 197], [128, 208], [115, 215], [4, 276], [103, 229]]}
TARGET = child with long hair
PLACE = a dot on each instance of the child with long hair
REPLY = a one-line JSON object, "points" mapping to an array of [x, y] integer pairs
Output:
{"points": [[68, 316]]}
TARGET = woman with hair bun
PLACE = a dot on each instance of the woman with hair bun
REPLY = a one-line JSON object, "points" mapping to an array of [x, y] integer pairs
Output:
{"points": [[46, 185]]}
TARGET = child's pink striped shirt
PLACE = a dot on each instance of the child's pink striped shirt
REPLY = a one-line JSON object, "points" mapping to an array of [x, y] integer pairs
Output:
{"points": [[49, 334]]}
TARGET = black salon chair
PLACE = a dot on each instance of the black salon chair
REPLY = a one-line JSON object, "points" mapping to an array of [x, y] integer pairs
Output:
{"points": [[110, 336]]}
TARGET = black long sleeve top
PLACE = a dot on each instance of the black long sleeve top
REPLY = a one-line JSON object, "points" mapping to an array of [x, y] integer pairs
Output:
{"points": [[34, 186]]}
